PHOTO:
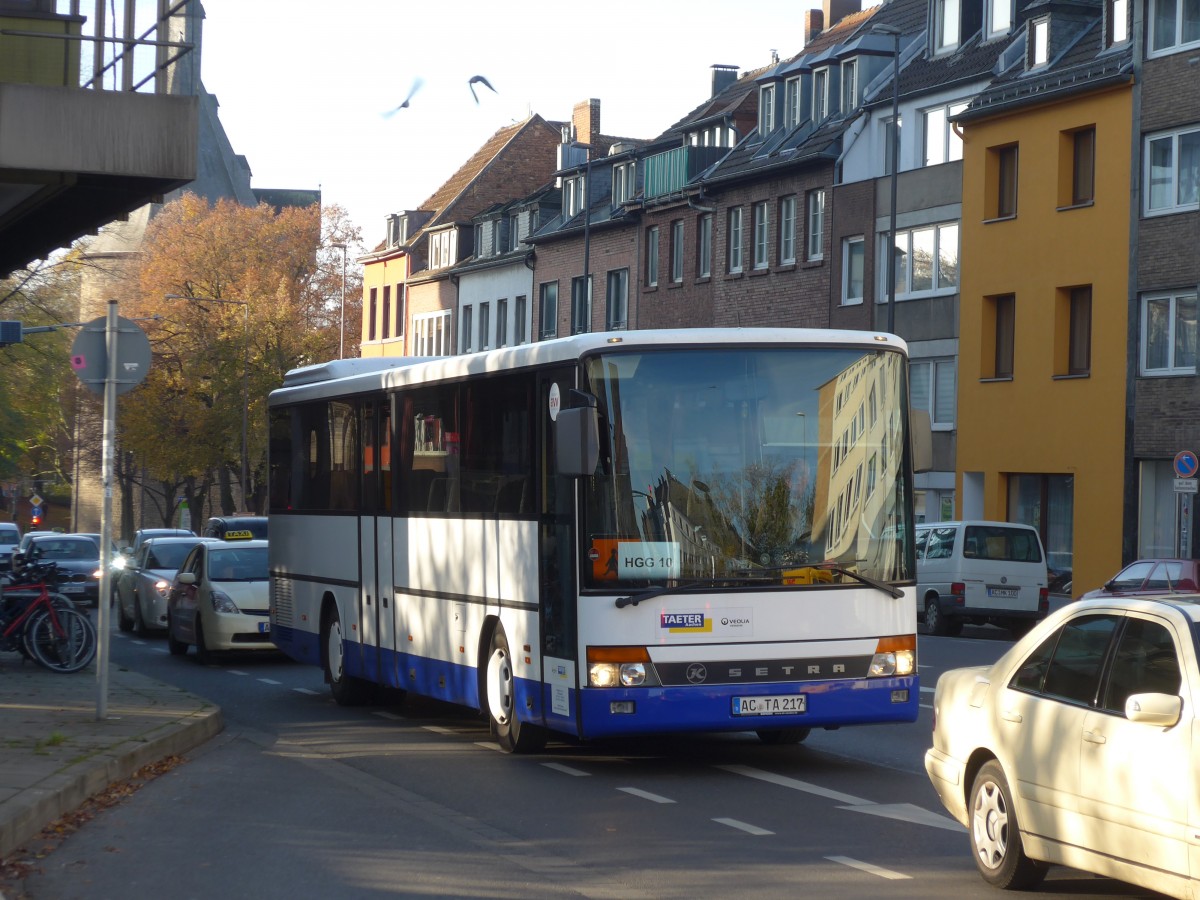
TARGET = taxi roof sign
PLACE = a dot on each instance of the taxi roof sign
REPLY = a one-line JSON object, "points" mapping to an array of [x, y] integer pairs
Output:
{"points": [[242, 535]]}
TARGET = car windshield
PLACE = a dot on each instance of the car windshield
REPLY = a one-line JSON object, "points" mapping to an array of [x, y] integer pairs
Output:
{"points": [[240, 564], [9, 536], [739, 464], [168, 556], [65, 549]]}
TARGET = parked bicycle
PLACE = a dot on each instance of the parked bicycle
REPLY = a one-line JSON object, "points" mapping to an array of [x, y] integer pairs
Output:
{"points": [[42, 625]]}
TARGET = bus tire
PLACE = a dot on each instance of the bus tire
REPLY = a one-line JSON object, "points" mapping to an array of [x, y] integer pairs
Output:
{"points": [[780, 736], [513, 735], [346, 689]]}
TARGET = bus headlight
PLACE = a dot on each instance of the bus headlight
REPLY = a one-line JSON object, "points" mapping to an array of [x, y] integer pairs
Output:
{"points": [[610, 667], [894, 656]]}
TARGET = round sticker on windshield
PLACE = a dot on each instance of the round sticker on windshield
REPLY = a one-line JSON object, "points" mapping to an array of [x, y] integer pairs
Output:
{"points": [[555, 402]]}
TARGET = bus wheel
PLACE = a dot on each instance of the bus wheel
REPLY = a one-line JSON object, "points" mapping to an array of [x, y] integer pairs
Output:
{"points": [[513, 735], [346, 689], [772, 736]]}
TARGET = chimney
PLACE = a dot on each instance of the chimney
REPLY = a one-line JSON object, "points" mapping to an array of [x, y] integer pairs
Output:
{"points": [[814, 21], [836, 10], [585, 117], [722, 77]]}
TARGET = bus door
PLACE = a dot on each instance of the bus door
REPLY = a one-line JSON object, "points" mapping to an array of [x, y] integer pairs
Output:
{"points": [[561, 668], [375, 539]]}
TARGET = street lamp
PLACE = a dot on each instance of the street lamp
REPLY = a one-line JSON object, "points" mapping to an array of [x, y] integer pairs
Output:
{"points": [[894, 32], [245, 372], [342, 325]]}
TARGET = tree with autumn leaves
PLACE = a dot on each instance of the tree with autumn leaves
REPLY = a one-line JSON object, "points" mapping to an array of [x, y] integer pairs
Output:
{"points": [[231, 298]]}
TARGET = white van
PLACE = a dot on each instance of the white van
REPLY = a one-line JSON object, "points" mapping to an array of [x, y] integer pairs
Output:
{"points": [[980, 572]]}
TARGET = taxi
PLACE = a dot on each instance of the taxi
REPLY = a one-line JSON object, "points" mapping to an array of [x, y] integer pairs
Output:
{"points": [[219, 600]]}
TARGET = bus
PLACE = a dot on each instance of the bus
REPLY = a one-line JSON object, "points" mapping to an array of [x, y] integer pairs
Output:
{"points": [[611, 534]]}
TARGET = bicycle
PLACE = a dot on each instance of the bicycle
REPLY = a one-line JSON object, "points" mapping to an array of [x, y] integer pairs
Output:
{"points": [[45, 627]]}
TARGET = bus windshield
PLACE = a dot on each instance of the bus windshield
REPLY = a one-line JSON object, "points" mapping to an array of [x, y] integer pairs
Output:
{"points": [[762, 465]]}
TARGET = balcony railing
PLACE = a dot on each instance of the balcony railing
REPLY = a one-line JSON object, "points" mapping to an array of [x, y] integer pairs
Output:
{"points": [[667, 173]]}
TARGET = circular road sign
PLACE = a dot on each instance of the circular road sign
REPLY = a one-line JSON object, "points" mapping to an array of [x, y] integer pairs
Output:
{"points": [[90, 360], [1186, 464]]}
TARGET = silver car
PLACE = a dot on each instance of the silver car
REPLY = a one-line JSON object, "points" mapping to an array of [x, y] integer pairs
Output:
{"points": [[142, 586]]}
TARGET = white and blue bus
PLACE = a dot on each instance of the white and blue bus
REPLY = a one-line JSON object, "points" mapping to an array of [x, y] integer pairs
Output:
{"points": [[624, 533]]}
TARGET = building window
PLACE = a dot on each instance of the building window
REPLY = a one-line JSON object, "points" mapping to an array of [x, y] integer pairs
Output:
{"points": [[1117, 26], [616, 317], [735, 239], [1158, 510], [652, 256], [1004, 322], [572, 196], [942, 142], [501, 322], [1172, 171], [1079, 331], [581, 304], [1000, 17], [761, 229], [926, 261], [1039, 51], [477, 239], [704, 246], [1168, 338], [766, 109], [622, 183], [787, 230], [485, 326], [1081, 145], [467, 336], [854, 252], [946, 19], [791, 102], [401, 308], [548, 309], [387, 312], [442, 249], [892, 135], [498, 241], [820, 104], [1002, 177], [519, 312], [431, 334], [514, 231], [933, 387], [677, 251], [372, 318], [1047, 502], [1174, 25], [815, 221], [849, 85]]}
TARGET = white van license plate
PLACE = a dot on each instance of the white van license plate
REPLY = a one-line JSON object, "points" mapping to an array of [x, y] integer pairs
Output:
{"points": [[774, 705], [1004, 593]]}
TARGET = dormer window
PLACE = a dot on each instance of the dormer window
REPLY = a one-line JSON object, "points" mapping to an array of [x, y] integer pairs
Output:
{"points": [[947, 21], [623, 183], [820, 102], [766, 109], [442, 249], [1039, 44], [478, 239], [572, 196], [397, 226], [849, 85], [791, 102], [514, 232], [999, 17], [1117, 26]]}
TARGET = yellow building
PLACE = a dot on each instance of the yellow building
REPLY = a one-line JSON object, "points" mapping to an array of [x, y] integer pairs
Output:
{"points": [[1044, 310]]}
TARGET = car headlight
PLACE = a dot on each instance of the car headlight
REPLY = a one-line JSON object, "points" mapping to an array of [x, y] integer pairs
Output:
{"points": [[163, 587], [223, 603], [118, 563]]}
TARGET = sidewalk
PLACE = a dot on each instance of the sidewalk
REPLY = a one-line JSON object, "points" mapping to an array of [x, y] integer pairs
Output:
{"points": [[54, 753]]}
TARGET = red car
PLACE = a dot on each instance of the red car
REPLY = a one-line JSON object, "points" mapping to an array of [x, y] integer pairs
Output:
{"points": [[1152, 576]]}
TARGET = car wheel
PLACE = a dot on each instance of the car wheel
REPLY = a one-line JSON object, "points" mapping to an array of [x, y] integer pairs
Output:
{"points": [[346, 689], [513, 735], [935, 620], [773, 736], [204, 656], [996, 836], [139, 623], [123, 621]]}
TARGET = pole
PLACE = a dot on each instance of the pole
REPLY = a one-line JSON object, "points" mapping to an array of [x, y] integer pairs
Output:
{"points": [[106, 476], [342, 325], [891, 255], [245, 396]]}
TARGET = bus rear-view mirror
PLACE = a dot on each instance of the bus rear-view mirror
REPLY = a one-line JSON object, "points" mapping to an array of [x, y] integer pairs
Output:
{"points": [[577, 441]]}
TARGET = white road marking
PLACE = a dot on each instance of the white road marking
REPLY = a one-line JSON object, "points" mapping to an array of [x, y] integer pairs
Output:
{"points": [[439, 729], [305, 691], [488, 745], [795, 784], [646, 795], [269, 681], [868, 868], [743, 826], [234, 672], [567, 770], [908, 812], [927, 690], [384, 714]]}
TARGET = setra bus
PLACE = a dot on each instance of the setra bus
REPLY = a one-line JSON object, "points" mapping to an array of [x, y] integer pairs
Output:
{"points": [[624, 533]]}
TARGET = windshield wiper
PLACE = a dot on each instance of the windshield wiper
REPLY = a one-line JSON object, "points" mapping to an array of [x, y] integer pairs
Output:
{"points": [[865, 579], [651, 593]]}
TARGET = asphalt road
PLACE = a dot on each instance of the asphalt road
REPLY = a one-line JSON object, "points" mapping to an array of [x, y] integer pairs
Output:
{"points": [[302, 798]]}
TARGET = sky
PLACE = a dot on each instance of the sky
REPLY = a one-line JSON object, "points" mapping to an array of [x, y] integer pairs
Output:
{"points": [[304, 86]]}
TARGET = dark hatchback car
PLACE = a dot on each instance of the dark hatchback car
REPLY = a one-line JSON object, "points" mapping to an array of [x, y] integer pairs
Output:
{"points": [[1152, 576], [235, 528], [74, 555]]}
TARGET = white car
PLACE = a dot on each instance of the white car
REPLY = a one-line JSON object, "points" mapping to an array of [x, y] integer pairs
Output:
{"points": [[1078, 747], [219, 600], [143, 583]]}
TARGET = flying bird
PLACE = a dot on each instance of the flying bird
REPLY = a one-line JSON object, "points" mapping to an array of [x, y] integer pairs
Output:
{"points": [[416, 86], [479, 79]]}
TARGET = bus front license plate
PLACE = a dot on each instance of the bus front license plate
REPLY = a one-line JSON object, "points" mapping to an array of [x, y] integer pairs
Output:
{"points": [[775, 705]]}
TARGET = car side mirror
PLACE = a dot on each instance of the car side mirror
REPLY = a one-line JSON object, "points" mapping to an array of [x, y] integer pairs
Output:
{"points": [[187, 577], [1154, 709]]}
